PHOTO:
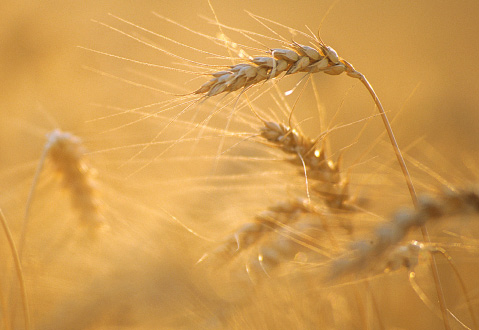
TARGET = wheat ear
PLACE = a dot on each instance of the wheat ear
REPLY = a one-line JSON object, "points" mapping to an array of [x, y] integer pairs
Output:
{"points": [[277, 216], [18, 269], [324, 173], [389, 235], [273, 230], [67, 155]]}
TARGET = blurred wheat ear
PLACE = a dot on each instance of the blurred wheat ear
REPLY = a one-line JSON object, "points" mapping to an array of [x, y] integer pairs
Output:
{"points": [[66, 155]]}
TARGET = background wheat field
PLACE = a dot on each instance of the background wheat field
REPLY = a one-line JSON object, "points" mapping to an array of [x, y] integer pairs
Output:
{"points": [[182, 212]]}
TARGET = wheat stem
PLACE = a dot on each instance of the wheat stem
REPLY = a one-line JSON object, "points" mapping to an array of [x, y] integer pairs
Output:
{"points": [[30, 198], [462, 284], [5, 318], [397, 151], [18, 269], [437, 281], [412, 192]]}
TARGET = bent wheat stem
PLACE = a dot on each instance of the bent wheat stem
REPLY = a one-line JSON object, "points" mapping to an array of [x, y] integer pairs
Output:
{"points": [[392, 138], [412, 192]]}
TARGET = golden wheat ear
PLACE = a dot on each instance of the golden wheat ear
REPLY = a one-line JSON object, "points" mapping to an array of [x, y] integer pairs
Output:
{"points": [[294, 226], [66, 154], [272, 240], [388, 237], [321, 173]]}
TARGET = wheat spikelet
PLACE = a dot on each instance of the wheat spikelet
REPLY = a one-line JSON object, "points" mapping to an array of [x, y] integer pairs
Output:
{"points": [[67, 155]]}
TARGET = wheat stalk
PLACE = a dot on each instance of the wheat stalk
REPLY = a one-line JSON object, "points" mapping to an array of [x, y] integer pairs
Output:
{"points": [[18, 270]]}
